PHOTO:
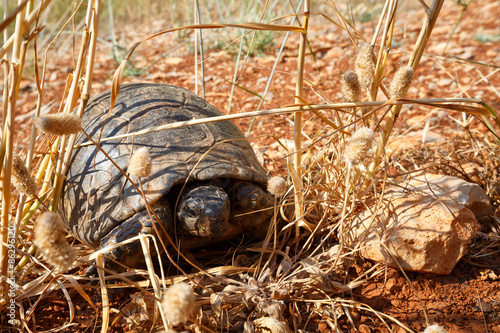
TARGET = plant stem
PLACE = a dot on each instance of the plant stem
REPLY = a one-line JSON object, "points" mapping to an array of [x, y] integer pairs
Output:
{"points": [[417, 53], [465, 5], [297, 131]]}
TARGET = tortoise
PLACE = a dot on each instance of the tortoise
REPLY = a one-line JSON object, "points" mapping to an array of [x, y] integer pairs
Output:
{"points": [[206, 184]]}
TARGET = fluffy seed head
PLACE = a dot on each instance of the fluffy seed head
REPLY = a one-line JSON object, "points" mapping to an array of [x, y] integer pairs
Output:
{"points": [[363, 64], [140, 163], [401, 82], [277, 186], [435, 329], [268, 324], [59, 123], [21, 178], [351, 90], [178, 302], [358, 146], [50, 239]]}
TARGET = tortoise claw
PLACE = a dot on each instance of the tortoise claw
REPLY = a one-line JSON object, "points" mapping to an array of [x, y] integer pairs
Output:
{"points": [[91, 271]]}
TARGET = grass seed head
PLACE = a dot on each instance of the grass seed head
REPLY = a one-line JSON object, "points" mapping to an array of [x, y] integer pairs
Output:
{"points": [[351, 89], [435, 329], [358, 146], [277, 186], [21, 178], [140, 163], [268, 324], [50, 239], [401, 82], [363, 64], [178, 303], [59, 123]]}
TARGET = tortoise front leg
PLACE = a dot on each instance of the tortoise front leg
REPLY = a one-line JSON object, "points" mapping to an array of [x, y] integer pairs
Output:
{"points": [[131, 254], [251, 207]]}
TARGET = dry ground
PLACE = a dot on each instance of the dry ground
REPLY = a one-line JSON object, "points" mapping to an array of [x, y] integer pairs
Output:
{"points": [[468, 300]]}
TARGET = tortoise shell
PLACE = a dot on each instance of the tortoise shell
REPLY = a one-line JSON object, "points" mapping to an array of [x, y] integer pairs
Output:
{"points": [[98, 197]]}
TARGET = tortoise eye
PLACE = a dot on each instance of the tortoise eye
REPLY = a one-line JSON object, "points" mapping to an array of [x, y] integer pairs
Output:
{"points": [[191, 211], [193, 208]]}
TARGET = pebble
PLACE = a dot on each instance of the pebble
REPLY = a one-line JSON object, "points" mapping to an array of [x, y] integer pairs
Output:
{"points": [[337, 52], [466, 79], [432, 86], [491, 53], [174, 61], [444, 82], [364, 328]]}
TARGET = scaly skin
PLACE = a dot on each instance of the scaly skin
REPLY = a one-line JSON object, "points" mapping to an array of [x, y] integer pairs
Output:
{"points": [[251, 207], [131, 253]]}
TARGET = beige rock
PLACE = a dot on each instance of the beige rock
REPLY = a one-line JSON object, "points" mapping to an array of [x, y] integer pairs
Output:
{"points": [[337, 52], [174, 61], [412, 140], [470, 195], [422, 233]]}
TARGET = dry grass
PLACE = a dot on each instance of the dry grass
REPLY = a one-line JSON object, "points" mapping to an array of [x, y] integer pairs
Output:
{"points": [[304, 266]]}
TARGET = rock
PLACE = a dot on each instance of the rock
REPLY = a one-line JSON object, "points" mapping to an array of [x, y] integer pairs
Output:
{"points": [[470, 195], [174, 61], [337, 52], [496, 329], [432, 86], [424, 234], [413, 139], [426, 223], [444, 82]]}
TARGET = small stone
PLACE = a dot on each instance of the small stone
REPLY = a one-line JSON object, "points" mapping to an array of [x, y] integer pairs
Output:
{"points": [[468, 54], [465, 80], [364, 329], [336, 52], [491, 53], [174, 61], [432, 86], [413, 139], [399, 329], [444, 82], [437, 48]]}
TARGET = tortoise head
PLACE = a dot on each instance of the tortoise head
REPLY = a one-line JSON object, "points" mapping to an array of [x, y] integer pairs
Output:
{"points": [[204, 211]]}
